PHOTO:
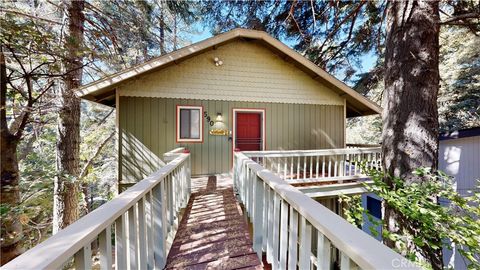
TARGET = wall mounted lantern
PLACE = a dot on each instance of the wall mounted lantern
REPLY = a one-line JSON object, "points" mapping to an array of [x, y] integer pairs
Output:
{"points": [[219, 128], [219, 118], [217, 61]]}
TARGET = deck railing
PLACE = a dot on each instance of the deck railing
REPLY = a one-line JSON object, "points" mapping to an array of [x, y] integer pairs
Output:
{"points": [[171, 155], [294, 230], [362, 145], [303, 166], [139, 222]]}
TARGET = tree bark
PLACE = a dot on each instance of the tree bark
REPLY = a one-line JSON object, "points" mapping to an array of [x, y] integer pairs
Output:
{"points": [[162, 29], [410, 117], [175, 26], [66, 187], [11, 227]]}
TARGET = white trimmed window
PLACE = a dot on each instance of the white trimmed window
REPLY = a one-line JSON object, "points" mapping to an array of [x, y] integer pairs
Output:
{"points": [[189, 123]]}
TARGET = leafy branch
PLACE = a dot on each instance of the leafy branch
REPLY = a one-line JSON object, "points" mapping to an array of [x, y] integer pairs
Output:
{"points": [[427, 224]]}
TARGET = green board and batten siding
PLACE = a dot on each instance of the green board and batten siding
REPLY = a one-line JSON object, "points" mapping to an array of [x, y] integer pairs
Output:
{"points": [[300, 112], [147, 130]]}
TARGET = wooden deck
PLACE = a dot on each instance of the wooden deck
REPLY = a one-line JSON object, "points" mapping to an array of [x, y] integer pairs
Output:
{"points": [[213, 233]]}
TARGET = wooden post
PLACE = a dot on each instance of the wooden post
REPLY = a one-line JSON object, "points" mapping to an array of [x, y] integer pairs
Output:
{"points": [[142, 240], [323, 252], [150, 232], [305, 243], [132, 237], [159, 225], [276, 229], [258, 218], [266, 207], [270, 227], [105, 248], [283, 235], [292, 239], [83, 258], [120, 243]]}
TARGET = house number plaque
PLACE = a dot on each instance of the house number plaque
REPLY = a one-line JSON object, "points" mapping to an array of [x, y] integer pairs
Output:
{"points": [[209, 120]]}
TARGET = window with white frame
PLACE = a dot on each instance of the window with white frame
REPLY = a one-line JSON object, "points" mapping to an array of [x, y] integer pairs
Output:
{"points": [[189, 123]]}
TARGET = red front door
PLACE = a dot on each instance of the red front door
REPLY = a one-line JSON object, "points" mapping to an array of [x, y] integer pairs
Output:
{"points": [[248, 131]]}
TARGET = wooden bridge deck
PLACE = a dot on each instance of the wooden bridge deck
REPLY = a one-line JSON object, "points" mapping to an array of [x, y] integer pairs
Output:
{"points": [[213, 233]]}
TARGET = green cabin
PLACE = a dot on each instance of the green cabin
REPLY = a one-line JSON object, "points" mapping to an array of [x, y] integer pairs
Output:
{"points": [[240, 90]]}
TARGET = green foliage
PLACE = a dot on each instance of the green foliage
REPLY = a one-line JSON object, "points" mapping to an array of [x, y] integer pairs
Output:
{"points": [[37, 167], [98, 123], [428, 223], [32, 38], [133, 32], [352, 208], [459, 96], [333, 36], [353, 212]]}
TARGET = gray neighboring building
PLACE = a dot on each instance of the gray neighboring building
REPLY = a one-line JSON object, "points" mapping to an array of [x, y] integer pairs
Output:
{"points": [[459, 156]]}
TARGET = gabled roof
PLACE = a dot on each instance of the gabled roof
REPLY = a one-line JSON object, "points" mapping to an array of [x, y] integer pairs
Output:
{"points": [[103, 90]]}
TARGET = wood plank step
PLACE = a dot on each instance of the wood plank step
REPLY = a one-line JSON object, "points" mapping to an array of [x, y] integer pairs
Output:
{"points": [[226, 263], [213, 233], [211, 253]]}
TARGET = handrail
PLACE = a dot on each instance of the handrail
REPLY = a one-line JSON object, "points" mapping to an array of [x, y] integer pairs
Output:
{"points": [[276, 208], [171, 155], [362, 145], [143, 206], [331, 164], [316, 152]]}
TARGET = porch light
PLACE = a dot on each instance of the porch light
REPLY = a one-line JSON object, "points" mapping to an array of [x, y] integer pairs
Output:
{"points": [[219, 128], [217, 61], [219, 117]]}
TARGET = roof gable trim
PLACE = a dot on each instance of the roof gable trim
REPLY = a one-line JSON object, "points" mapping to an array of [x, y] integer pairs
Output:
{"points": [[354, 98]]}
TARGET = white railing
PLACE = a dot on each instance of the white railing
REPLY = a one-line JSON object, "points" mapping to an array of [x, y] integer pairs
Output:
{"points": [[293, 229], [362, 145], [303, 166], [141, 222], [171, 155]]}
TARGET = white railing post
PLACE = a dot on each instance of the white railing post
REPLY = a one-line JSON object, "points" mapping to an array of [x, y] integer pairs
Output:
{"points": [[121, 243], [305, 243], [83, 258], [105, 248], [170, 195], [344, 261], [283, 235], [323, 252], [250, 181], [276, 229], [159, 226], [266, 207], [189, 175], [292, 239], [235, 172], [271, 195], [132, 237], [150, 230], [142, 240], [245, 173], [258, 219]]}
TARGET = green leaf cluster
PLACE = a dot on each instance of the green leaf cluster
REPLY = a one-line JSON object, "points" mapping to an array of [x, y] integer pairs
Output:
{"points": [[432, 213]]}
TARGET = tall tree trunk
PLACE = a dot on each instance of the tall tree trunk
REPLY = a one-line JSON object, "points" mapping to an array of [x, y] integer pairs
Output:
{"points": [[175, 22], [410, 117], [162, 29], [66, 188], [11, 227]]}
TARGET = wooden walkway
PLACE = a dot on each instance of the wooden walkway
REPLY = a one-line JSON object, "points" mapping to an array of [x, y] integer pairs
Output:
{"points": [[213, 233]]}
